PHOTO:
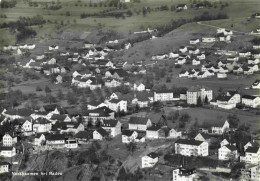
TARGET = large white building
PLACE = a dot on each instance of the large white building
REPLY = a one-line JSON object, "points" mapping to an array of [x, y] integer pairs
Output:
{"points": [[139, 123], [7, 151], [9, 139], [182, 174], [150, 160], [163, 96], [251, 101], [196, 92], [252, 155], [187, 147], [250, 173], [4, 166], [227, 152]]}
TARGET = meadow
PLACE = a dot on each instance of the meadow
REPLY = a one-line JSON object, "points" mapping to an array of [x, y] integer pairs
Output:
{"points": [[59, 19]]}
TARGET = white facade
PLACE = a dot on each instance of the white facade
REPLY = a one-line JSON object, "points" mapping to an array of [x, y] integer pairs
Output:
{"points": [[139, 87], [187, 148], [174, 133], [178, 175], [192, 96], [163, 96], [251, 102], [8, 140], [9, 152], [117, 105], [4, 167], [148, 162], [129, 138], [227, 152]]}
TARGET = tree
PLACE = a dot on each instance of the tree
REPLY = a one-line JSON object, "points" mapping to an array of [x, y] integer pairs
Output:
{"points": [[199, 102], [47, 89], [71, 98], [206, 100], [84, 105], [60, 95], [233, 120], [122, 176], [131, 147]]}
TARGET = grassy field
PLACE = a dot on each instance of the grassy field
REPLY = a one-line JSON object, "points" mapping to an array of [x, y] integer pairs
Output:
{"points": [[236, 14]]}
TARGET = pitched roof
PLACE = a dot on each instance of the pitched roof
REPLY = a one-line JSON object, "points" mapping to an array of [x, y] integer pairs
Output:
{"points": [[102, 111], [153, 155], [85, 134], [154, 128], [248, 97], [251, 149], [102, 132], [6, 148], [127, 132], [196, 88], [189, 142], [231, 147], [110, 123], [53, 137], [58, 117], [41, 121], [138, 120]]}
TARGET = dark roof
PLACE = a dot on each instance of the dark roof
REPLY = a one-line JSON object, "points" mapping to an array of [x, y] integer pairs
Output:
{"points": [[127, 132], [51, 107], [205, 136], [110, 123], [153, 155], [85, 134], [115, 101], [248, 97], [6, 148], [231, 147], [53, 137], [102, 111], [223, 98], [154, 128], [41, 121], [120, 72], [252, 149], [58, 117], [196, 88], [138, 120], [256, 82], [102, 132], [189, 142], [4, 163]]}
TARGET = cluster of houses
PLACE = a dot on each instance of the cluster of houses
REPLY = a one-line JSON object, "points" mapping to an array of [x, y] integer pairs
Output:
{"points": [[249, 152]]}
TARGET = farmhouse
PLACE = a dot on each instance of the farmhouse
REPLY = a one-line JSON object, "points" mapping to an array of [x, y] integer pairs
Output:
{"points": [[150, 160]]}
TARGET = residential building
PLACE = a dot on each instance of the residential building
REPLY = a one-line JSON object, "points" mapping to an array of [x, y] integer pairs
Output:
{"points": [[9, 139], [139, 123], [71, 143], [7, 151], [112, 126], [183, 174], [256, 84], [4, 167], [139, 87], [228, 152], [163, 95], [251, 101], [250, 173], [41, 125], [198, 92], [55, 141], [187, 147], [252, 155], [174, 133], [117, 105], [100, 134], [129, 136], [150, 160]]}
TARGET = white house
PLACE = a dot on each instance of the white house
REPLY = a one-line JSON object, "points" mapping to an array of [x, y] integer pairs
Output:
{"points": [[112, 83], [194, 41], [187, 147], [7, 151], [182, 174], [195, 62], [55, 141], [227, 141], [117, 105], [53, 47], [139, 123], [220, 128], [139, 87], [173, 133], [208, 39], [198, 92], [4, 167], [100, 134], [39, 139], [150, 160], [112, 126], [163, 95], [41, 125], [183, 49], [227, 152], [9, 139], [71, 143], [129, 136], [251, 172], [252, 155], [251, 101], [181, 7]]}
